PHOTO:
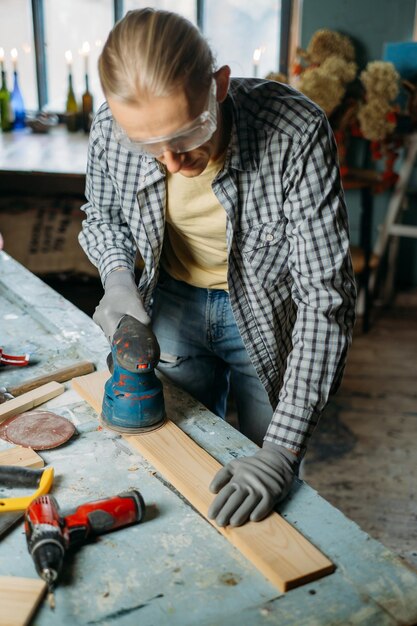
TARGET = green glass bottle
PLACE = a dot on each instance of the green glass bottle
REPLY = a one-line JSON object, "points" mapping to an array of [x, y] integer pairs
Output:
{"points": [[87, 107], [6, 117], [71, 111]]}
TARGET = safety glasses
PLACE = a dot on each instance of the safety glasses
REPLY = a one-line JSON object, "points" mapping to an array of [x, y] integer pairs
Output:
{"points": [[188, 138]]}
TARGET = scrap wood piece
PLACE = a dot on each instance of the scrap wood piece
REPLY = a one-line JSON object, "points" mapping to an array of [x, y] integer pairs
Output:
{"points": [[29, 400], [59, 376], [19, 598], [277, 549], [22, 457]]}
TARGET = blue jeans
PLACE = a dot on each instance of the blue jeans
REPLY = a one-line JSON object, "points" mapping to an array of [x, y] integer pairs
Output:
{"points": [[203, 353]]}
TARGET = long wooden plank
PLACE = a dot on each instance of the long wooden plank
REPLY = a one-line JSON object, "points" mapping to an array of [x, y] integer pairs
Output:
{"points": [[19, 598], [22, 457], [29, 400], [279, 551]]}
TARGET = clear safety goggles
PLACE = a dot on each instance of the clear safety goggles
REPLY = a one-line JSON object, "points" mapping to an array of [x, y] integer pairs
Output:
{"points": [[188, 138]]}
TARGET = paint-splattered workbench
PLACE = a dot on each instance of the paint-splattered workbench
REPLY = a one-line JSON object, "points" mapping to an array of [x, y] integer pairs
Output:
{"points": [[175, 569]]}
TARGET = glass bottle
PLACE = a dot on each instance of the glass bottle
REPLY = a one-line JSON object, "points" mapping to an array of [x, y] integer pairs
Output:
{"points": [[71, 110], [87, 107], [6, 115], [17, 104]]}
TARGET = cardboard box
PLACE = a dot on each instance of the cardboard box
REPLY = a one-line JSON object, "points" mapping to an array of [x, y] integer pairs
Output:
{"points": [[42, 234]]}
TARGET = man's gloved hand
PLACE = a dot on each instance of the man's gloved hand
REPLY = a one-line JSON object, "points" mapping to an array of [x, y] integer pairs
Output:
{"points": [[250, 487], [121, 297]]}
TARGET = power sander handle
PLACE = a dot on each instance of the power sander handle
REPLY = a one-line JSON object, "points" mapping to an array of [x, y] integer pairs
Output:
{"points": [[135, 345]]}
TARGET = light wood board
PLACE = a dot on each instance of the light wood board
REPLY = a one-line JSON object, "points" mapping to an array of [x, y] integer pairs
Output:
{"points": [[29, 400], [22, 457], [59, 376], [19, 598], [279, 551]]}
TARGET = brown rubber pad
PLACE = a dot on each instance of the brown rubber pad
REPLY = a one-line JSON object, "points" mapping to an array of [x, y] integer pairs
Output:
{"points": [[39, 430]]}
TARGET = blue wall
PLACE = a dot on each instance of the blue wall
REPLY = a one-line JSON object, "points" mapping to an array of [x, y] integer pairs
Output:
{"points": [[370, 24]]}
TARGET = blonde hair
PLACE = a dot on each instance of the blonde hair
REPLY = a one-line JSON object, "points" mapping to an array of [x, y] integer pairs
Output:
{"points": [[151, 53]]}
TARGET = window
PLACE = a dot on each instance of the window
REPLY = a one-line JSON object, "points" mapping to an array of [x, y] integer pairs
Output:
{"points": [[16, 32], [70, 25], [244, 34], [187, 8]]}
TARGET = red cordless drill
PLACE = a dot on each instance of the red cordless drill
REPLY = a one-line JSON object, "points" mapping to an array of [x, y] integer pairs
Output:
{"points": [[50, 534]]}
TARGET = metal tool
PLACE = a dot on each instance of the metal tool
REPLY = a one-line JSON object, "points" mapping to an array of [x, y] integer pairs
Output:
{"points": [[133, 398], [50, 534], [12, 509], [60, 376]]}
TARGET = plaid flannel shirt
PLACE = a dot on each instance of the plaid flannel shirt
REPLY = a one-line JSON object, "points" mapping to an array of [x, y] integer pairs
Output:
{"points": [[290, 278]]}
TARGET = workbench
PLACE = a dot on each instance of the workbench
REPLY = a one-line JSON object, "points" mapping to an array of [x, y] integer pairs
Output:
{"points": [[48, 164], [174, 568]]}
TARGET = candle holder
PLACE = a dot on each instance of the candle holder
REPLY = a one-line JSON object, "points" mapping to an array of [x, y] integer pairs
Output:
{"points": [[71, 110], [6, 115], [17, 104], [87, 107]]}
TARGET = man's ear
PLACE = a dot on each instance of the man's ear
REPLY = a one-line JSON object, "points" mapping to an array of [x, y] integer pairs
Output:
{"points": [[222, 78]]}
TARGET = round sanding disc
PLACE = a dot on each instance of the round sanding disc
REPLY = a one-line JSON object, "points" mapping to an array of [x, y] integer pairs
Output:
{"points": [[39, 430]]}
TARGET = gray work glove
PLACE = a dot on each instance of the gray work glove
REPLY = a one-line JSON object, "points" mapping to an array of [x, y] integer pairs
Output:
{"points": [[121, 297], [250, 487]]}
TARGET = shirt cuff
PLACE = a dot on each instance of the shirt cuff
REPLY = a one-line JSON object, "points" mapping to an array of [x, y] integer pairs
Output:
{"points": [[112, 261], [292, 426]]}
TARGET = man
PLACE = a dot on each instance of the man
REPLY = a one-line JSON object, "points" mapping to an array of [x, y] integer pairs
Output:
{"points": [[230, 191]]}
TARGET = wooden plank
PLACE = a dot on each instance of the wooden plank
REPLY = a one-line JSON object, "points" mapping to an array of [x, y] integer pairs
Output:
{"points": [[59, 376], [19, 598], [279, 551], [22, 457], [29, 400]]}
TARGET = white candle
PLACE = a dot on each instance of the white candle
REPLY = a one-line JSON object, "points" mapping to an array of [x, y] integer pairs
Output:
{"points": [[68, 58], [256, 57], [2, 59], [14, 55], [85, 51]]}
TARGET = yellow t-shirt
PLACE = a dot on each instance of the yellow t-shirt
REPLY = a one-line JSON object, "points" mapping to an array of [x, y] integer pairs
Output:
{"points": [[195, 249]]}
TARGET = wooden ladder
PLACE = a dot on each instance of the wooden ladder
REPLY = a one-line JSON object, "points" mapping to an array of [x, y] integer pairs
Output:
{"points": [[392, 228]]}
